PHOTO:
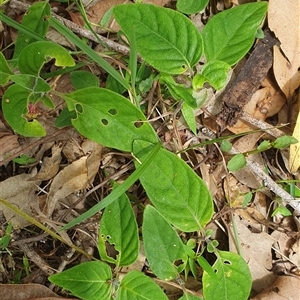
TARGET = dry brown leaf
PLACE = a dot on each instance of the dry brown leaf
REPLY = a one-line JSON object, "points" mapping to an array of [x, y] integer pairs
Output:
{"points": [[284, 288], [19, 191], [8, 144], [283, 20], [50, 165], [27, 292], [253, 244], [294, 161]]}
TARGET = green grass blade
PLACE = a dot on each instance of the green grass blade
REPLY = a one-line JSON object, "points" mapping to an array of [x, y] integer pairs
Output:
{"points": [[115, 194], [88, 51], [21, 28]]}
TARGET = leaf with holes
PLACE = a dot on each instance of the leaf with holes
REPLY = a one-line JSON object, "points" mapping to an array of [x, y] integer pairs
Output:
{"points": [[88, 281], [233, 277], [108, 118], [118, 227], [20, 113], [135, 286], [229, 35], [163, 246], [176, 191], [35, 55], [165, 38]]}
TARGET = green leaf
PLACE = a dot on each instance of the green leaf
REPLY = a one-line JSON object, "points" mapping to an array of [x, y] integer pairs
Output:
{"points": [[264, 146], [5, 71], [233, 278], [176, 191], [191, 6], [31, 83], [163, 247], [282, 210], [15, 107], [35, 55], [187, 296], [236, 163], [103, 115], [24, 160], [118, 227], [36, 20], [88, 281], [229, 35], [166, 39], [226, 146], [284, 141], [188, 114], [215, 73], [82, 79], [136, 286], [65, 118]]}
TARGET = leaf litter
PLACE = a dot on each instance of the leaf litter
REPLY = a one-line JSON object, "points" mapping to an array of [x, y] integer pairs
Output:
{"points": [[71, 165]]}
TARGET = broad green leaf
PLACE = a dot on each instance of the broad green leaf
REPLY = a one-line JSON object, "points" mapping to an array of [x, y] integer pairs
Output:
{"points": [[163, 247], [188, 114], [136, 286], [229, 35], [176, 191], [35, 55], [108, 118], [36, 19], [215, 73], [88, 281], [233, 278], [166, 39], [191, 6], [284, 141], [15, 108], [31, 83], [236, 163], [24, 160], [82, 79], [226, 146], [282, 210], [5, 71], [118, 227]]}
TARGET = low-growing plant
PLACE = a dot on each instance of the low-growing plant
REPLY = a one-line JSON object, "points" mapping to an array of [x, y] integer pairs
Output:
{"points": [[170, 43]]}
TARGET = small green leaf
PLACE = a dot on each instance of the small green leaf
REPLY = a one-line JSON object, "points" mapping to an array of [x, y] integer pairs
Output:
{"points": [[188, 114], [103, 115], [82, 79], [282, 210], [114, 85], [15, 107], [36, 19], [231, 280], [187, 296], [206, 267], [118, 227], [163, 246], [5, 71], [106, 17], [88, 281], [166, 39], [229, 35], [24, 160], [264, 146], [215, 73], [191, 6], [136, 286], [176, 191], [236, 163], [247, 199], [31, 83], [226, 146], [284, 141], [35, 55]]}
